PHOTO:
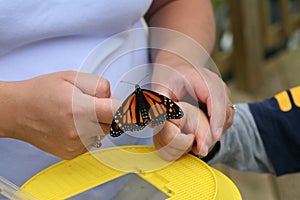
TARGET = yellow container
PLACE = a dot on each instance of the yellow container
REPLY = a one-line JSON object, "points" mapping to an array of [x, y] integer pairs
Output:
{"points": [[186, 178]]}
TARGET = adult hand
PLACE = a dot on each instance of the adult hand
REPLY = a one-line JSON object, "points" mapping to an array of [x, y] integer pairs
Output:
{"points": [[182, 35], [178, 137], [59, 113], [206, 87]]}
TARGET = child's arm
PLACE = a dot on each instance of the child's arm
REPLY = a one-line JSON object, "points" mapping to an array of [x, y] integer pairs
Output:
{"points": [[278, 122], [265, 136], [241, 146]]}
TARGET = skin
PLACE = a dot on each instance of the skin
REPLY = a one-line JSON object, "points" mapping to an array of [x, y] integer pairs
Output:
{"points": [[60, 113], [194, 19], [46, 107], [178, 137]]}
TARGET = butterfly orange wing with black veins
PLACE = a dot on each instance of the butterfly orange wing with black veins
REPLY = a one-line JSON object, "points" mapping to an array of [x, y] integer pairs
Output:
{"points": [[126, 117], [141, 108], [161, 108]]}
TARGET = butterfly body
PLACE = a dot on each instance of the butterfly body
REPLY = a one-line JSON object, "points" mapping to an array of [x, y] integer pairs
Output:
{"points": [[141, 108]]}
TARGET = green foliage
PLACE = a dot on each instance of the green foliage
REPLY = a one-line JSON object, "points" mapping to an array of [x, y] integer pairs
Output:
{"points": [[217, 3]]}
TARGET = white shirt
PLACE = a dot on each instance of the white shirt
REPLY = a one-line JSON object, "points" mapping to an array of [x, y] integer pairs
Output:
{"points": [[39, 37]]}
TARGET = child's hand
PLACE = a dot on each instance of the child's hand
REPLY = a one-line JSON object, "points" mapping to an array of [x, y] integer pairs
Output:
{"points": [[178, 137]]}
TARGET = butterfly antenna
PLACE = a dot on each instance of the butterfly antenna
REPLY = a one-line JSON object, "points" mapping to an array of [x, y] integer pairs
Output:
{"points": [[127, 82], [143, 78]]}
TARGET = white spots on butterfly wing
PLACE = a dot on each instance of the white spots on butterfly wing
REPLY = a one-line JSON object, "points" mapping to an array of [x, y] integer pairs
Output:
{"points": [[170, 111], [115, 133]]}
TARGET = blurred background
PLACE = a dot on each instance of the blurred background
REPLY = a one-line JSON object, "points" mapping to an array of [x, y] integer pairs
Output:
{"points": [[258, 54]]}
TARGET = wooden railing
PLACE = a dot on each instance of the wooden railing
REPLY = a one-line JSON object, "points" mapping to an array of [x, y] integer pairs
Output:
{"points": [[259, 58], [260, 29]]}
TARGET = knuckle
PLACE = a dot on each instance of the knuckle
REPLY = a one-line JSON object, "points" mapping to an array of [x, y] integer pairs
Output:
{"points": [[165, 155], [73, 137], [67, 112], [103, 87], [230, 121], [168, 137]]}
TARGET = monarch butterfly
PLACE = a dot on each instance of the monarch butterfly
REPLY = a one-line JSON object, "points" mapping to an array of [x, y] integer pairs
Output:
{"points": [[141, 108]]}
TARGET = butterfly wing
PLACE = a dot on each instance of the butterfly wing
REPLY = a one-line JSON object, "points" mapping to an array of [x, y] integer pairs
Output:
{"points": [[143, 107], [161, 108], [128, 117], [115, 130]]}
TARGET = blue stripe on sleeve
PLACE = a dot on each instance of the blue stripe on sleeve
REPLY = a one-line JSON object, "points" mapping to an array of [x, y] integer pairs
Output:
{"points": [[280, 132]]}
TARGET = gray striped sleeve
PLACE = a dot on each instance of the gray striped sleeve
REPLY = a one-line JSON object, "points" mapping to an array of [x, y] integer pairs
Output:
{"points": [[241, 146]]}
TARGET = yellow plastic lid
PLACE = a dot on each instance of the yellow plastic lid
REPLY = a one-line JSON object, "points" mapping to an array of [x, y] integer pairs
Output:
{"points": [[186, 178]]}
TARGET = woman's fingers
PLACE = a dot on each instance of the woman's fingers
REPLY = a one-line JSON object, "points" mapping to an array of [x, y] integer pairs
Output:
{"points": [[171, 143]]}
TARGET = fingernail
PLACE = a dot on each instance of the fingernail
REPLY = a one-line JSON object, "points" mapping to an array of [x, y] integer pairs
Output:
{"points": [[218, 133], [204, 150]]}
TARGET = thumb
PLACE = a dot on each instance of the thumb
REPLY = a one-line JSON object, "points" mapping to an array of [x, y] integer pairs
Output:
{"points": [[213, 92], [217, 106], [89, 84], [105, 109]]}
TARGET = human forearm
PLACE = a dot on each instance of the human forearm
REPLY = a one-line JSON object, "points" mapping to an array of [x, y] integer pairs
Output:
{"points": [[8, 99], [193, 22], [193, 18], [180, 42]]}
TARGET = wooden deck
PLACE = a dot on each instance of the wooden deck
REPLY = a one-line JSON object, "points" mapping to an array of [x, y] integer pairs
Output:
{"points": [[282, 73], [261, 62]]}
